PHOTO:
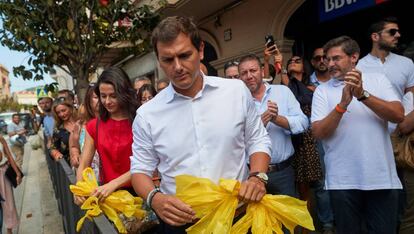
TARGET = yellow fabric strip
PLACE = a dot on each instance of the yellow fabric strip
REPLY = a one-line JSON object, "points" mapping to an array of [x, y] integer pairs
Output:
{"points": [[215, 205], [118, 202]]}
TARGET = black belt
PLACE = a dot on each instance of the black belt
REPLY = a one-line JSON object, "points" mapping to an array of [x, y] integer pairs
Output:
{"points": [[279, 166]]}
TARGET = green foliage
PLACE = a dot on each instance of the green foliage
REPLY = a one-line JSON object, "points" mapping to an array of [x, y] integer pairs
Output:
{"points": [[72, 35], [8, 104]]}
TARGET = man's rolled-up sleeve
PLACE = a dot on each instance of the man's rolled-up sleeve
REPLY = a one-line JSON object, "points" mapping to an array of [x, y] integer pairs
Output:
{"points": [[143, 159], [298, 122]]}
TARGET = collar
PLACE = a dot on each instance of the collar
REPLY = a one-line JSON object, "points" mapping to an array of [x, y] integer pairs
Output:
{"points": [[335, 82], [375, 58], [314, 79], [208, 82]]}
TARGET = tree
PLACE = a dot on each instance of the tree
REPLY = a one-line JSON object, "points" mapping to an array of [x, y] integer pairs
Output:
{"points": [[73, 35]]}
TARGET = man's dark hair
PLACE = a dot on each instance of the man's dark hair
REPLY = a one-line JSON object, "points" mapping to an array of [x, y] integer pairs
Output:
{"points": [[169, 28], [349, 45], [250, 57], [15, 114], [231, 63], [379, 25], [41, 98], [67, 93]]}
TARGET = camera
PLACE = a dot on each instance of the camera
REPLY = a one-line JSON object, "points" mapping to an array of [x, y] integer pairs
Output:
{"points": [[269, 41]]}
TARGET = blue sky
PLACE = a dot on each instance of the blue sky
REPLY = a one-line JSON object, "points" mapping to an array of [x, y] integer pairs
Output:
{"points": [[9, 59]]}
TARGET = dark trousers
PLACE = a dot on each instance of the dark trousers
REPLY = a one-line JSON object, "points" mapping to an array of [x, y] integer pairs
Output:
{"points": [[353, 209]]}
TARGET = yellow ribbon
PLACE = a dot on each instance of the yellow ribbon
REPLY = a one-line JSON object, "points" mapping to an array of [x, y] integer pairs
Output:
{"points": [[120, 201], [215, 205]]}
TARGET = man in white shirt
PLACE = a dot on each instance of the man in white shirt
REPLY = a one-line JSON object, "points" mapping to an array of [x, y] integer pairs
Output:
{"points": [[282, 116], [17, 135], [350, 114], [199, 125], [385, 35]]}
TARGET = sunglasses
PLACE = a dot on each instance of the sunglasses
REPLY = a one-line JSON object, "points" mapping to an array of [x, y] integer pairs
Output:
{"points": [[319, 57], [392, 31], [231, 64], [297, 61]]}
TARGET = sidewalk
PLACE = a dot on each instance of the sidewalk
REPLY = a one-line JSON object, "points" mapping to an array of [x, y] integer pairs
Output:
{"points": [[35, 199]]}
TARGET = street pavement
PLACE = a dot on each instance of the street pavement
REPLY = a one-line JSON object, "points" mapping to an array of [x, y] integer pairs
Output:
{"points": [[34, 197]]}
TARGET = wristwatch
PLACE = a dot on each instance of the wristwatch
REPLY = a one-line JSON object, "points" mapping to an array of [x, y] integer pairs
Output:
{"points": [[364, 96], [284, 71], [261, 175]]}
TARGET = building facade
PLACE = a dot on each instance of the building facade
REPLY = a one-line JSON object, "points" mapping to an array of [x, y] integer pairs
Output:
{"points": [[233, 28], [4, 83]]}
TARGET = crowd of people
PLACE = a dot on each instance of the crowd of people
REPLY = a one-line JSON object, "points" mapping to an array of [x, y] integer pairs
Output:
{"points": [[325, 128]]}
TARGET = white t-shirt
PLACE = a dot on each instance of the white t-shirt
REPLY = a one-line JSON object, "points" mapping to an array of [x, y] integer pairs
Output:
{"points": [[359, 153], [398, 69]]}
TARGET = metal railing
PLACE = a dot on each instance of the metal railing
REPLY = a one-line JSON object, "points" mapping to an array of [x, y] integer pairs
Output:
{"points": [[62, 176]]}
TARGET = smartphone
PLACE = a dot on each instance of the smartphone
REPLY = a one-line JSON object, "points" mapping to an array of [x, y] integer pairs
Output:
{"points": [[269, 41]]}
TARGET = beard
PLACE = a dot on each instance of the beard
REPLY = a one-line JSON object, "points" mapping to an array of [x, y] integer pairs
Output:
{"points": [[387, 46]]}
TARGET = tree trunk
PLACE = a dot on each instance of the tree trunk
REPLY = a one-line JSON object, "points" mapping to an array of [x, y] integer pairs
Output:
{"points": [[81, 87]]}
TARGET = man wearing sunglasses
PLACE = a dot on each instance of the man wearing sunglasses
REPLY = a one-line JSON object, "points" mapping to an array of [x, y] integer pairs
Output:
{"points": [[321, 74], [399, 70]]}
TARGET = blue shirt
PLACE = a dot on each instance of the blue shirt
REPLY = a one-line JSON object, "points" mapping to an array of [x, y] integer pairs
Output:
{"points": [[289, 108], [48, 124], [211, 135]]}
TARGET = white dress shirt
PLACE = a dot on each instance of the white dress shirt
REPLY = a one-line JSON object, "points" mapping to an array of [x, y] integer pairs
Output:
{"points": [[358, 155], [289, 108], [209, 136]]}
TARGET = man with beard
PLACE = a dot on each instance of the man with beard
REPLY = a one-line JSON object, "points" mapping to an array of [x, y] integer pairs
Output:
{"points": [[399, 70], [45, 103], [321, 74], [350, 114], [282, 117]]}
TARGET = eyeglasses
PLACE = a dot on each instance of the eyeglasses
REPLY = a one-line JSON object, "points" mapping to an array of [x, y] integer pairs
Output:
{"points": [[391, 31], [335, 58], [294, 60], [319, 58]]}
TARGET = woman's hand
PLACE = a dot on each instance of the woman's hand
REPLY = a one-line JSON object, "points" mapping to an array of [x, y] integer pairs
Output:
{"points": [[104, 191], [19, 179], [79, 200]]}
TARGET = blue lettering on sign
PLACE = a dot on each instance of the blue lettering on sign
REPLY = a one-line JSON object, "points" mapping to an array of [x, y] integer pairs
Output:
{"points": [[329, 9]]}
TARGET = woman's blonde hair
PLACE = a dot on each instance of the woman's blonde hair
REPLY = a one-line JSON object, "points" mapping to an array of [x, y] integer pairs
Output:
{"points": [[62, 101]]}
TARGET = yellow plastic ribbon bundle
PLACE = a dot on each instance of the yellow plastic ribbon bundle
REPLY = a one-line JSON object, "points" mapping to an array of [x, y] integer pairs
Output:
{"points": [[215, 205], [120, 201]]}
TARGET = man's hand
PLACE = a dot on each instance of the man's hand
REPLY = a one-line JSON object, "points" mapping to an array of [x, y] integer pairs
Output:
{"points": [[252, 190], [346, 97], [353, 78], [266, 117], [273, 109], [172, 210], [22, 131]]}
